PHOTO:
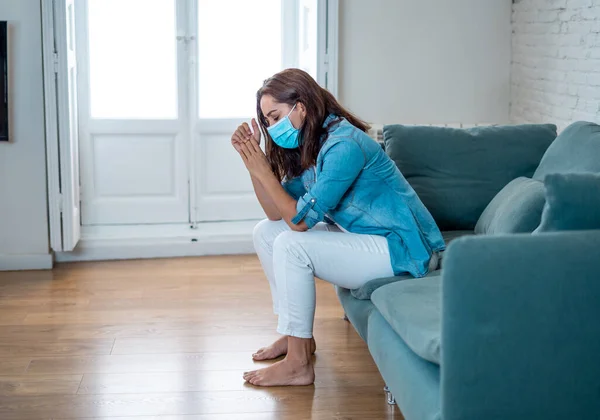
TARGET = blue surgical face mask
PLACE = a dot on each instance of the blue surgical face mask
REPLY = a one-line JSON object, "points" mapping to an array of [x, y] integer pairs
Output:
{"points": [[284, 134]]}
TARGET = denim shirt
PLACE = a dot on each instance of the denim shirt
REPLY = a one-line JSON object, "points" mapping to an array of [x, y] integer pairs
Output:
{"points": [[357, 186]]}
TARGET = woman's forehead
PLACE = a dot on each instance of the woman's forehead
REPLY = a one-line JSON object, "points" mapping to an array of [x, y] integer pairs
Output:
{"points": [[267, 101]]}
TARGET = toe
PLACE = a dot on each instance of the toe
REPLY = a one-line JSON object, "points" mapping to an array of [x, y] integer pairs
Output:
{"points": [[259, 355]]}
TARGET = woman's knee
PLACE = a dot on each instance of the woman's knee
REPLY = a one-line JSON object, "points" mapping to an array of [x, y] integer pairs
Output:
{"points": [[291, 244], [266, 231]]}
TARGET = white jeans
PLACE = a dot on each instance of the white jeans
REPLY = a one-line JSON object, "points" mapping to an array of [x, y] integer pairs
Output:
{"points": [[291, 261]]}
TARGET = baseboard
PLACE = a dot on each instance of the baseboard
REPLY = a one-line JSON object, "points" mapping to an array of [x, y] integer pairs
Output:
{"points": [[131, 250], [124, 243], [20, 262]]}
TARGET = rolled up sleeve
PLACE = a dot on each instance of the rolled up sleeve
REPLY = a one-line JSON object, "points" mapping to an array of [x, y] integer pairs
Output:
{"points": [[342, 163], [294, 187]]}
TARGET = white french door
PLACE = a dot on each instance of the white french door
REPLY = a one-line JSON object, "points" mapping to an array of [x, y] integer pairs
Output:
{"points": [[163, 84], [134, 119], [228, 73], [62, 143]]}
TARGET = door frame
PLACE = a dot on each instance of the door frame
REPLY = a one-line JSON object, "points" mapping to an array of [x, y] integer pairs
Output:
{"points": [[62, 158], [327, 75], [51, 128]]}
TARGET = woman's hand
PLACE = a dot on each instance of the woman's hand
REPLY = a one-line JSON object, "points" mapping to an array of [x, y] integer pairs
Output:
{"points": [[254, 158], [243, 134]]}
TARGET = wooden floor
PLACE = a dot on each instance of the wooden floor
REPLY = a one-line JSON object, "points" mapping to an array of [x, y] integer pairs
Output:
{"points": [[167, 339]]}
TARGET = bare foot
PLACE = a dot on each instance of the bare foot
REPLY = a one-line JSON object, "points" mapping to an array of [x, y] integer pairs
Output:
{"points": [[284, 373], [277, 349]]}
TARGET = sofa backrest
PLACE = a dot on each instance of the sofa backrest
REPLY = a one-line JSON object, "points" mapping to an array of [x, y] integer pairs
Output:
{"points": [[457, 172], [576, 149]]}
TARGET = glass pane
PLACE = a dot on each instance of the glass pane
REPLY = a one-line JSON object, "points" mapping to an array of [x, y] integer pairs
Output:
{"points": [[307, 39], [239, 46], [133, 59]]}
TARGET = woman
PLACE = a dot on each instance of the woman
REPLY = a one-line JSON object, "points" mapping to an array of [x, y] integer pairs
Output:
{"points": [[321, 166]]}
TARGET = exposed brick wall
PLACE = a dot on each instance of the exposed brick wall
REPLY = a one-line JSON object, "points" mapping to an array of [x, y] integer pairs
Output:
{"points": [[555, 61]]}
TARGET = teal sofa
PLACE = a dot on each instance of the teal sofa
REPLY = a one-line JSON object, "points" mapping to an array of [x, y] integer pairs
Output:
{"points": [[509, 328]]}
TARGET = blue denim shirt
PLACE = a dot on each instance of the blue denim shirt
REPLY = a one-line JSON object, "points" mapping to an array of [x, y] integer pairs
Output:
{"points": [[356, 185]]}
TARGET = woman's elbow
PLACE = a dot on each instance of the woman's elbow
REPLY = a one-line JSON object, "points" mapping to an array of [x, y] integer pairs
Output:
{"points": [[301, 227]]}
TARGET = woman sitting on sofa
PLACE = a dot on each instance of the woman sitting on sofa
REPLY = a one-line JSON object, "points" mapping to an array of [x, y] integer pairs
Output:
{"points": [[321, 166]]}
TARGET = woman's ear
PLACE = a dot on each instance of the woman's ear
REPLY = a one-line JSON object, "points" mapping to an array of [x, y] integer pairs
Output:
{"points": [[302, 110], [301, 113]]}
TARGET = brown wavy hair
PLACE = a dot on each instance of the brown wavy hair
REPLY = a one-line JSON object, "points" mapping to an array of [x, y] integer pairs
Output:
{"points": [[292, 86]]}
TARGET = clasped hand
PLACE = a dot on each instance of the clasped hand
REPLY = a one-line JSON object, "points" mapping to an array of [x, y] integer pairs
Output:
{"points": [[247, 144]]}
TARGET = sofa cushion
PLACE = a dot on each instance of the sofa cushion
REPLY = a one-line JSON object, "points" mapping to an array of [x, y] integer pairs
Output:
{"points": [[517, 208], [576, 149], [413, 310], [450, 235], [367, 289], [573, 202], [457, 172]]}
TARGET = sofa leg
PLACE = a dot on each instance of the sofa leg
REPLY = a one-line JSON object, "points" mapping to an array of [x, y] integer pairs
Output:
{"points": [[346, 317], [389, 396]]}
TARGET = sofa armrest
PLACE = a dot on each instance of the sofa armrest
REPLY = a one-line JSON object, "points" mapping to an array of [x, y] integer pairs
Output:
{"points": [[521, 327]]}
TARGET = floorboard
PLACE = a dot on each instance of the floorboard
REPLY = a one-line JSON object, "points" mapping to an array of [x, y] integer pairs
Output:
{"points": [[164, 340]]}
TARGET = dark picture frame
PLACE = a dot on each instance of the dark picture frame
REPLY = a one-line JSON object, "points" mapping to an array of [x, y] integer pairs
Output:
{"points": [[4, 81]]}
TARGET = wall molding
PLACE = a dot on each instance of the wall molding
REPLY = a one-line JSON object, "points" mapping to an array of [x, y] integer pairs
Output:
{"points": [[120, 249], [161, 241], [18, 262]]}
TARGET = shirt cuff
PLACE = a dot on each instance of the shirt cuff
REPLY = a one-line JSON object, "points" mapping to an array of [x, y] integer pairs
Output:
{"points": [[308, 210]]}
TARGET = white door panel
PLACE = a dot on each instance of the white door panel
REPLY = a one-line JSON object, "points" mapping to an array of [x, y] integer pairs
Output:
{"points": [[165, 84], [154, 175], [135, 128], [68, 114], [215, 177], [229, 72], [136, 179], [307, 36], [63, 143], [224, 188]]}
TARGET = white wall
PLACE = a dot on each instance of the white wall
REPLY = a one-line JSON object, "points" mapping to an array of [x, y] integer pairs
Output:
{"points": [[437, 61], [556, 61], [23, 208]]}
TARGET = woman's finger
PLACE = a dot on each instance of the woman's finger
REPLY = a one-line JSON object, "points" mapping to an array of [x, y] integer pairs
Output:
{"points": [[246, 150], [250, 145], [243, 151], [246, 128], [237, 132], [238, 137], [236, 146], [254, 146], [256, 130]]}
